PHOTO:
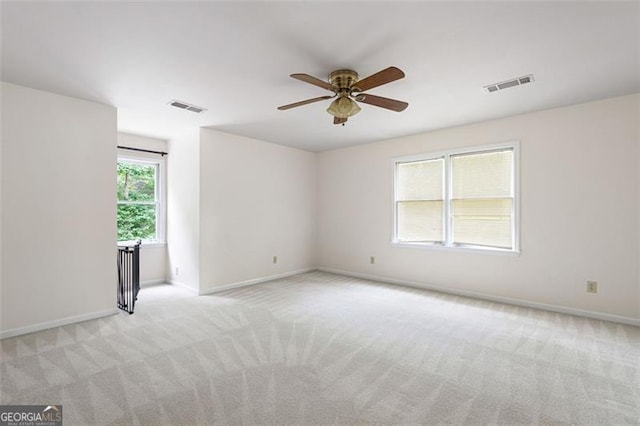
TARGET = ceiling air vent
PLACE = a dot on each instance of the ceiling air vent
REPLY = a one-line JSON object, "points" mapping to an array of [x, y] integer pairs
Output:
{"points": [[187, 106], [519, 81]]}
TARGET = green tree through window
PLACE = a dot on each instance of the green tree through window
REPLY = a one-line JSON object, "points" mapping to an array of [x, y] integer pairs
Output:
{"points": [[137, 201]]}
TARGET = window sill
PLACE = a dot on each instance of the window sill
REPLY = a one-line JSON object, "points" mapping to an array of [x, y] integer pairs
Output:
{"points": [[477, 250], [145, 244]]}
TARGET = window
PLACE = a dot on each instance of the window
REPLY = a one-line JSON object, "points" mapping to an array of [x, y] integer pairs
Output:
{"points": [[140, 199], [420, 206], [463, 198]]}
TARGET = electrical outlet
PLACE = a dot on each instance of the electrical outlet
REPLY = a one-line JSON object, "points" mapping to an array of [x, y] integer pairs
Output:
{"points": [[592, 286], [275, 259], [372, 260], [177, 271]]}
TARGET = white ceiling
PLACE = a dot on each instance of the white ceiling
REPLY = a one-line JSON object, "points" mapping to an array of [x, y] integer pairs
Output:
{"points": [[234, 59]]}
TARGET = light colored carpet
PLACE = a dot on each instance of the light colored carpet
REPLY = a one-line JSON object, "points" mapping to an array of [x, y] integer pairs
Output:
{"points": [[319, 348]]}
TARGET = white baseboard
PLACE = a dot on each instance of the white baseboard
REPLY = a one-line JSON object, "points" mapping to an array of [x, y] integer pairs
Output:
{"points": [[255, 281], [56, 323], [491, 298], [148, 283], [476, 295], [183, 285]]}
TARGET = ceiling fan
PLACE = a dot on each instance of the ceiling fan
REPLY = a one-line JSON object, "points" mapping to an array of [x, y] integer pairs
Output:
{"points": [[348, 89]]}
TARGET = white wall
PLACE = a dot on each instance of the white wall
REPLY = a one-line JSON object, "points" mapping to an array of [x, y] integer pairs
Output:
{"points": [[637, 119], [1, 197], [58, 209], [257, 200], [142, 142], [183, 210], [153, 257], [580, 210], [153, 264]]}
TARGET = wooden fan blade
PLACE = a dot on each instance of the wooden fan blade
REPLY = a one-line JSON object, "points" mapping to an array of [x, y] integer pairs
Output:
{"points": [[337, 120], [305, 102], [385, 76], [312, 80], [381, 102]]}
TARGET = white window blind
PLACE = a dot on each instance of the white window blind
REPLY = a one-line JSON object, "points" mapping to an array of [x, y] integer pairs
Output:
{"points": [[420, 201], [458, 198], [482, 199]]}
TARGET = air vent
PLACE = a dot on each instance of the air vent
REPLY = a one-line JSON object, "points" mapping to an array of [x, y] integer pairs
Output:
{"points": [[195, 109], [519, 81], [187, 106]]}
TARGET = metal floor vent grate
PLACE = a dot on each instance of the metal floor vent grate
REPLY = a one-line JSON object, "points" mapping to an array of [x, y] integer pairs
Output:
{"points": [[187, 106], [519, 81]]}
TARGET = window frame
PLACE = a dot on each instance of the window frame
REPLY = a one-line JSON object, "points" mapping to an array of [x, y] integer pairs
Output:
{"points": [[448, 244], [160, 190]]}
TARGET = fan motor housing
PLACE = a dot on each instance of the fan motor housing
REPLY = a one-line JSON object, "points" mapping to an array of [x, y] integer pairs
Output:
{"points": [[343, 79]]}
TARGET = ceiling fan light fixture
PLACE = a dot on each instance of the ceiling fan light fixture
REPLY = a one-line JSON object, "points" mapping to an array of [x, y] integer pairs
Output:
{"points": [[343, 107], [347, 87]]}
